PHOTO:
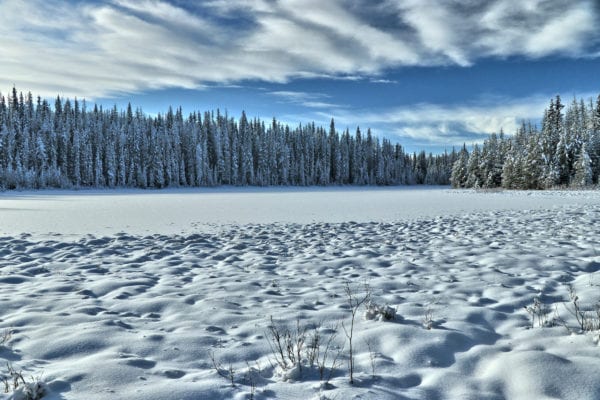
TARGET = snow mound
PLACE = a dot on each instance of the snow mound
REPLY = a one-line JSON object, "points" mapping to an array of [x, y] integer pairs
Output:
{"points": [[139, 316]]}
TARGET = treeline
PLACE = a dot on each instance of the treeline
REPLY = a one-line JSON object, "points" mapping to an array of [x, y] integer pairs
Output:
{"points": [[564, 153], [70, 146]]}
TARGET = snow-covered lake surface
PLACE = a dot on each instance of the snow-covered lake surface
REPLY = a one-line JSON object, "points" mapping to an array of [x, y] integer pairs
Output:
{"points": [[143, 212], [132, 294]]}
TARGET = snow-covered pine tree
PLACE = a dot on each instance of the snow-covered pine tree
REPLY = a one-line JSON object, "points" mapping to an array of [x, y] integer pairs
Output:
{"points": [[532, 168], [71, 146], [459, 175], [594, 147], [583, 168], [474, 178]]}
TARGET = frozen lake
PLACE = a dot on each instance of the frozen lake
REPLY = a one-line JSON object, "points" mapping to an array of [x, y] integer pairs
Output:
{"points": [[191, 210]]}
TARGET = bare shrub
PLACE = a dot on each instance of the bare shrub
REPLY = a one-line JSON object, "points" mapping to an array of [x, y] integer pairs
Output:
{"points": [[371, 357], [327, 355], [20, 388], [356, 298], [227, 373], [587, 320], [287, 345], [5, 336], [538, 312], [304, 347], [428, 318], [380, 312]]}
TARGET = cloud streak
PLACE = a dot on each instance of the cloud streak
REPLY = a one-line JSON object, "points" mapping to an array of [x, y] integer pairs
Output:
{"points": [[428, 125], [125, 46], [310, 100]]}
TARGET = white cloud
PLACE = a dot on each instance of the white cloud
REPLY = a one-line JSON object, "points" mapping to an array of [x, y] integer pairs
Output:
{"points": [[566, 33], [167, 13], [429, 125], [122, 46], [449, 124], [310, 100], [438, 29], [383, 81], [537, 28]]}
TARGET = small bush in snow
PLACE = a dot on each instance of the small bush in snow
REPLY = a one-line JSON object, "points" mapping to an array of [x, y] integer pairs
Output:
{"points": [[588, 321], [288, 346], [380, 312], [227, 373], [538, 311], [428, 318], [372, 357], [5, 337], [322, 396], [304, 348], [33, 390], [21, 389], [324, 353], [356, 299]]}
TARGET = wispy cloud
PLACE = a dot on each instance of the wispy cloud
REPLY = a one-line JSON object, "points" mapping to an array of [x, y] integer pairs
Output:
{"points": [[123, 46], [383, 81], [310, 100], [454, 124]]}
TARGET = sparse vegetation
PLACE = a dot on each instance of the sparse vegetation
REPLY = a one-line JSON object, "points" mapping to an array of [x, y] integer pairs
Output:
{"points": [[287, 345], [250, 379], [428, 318], [327, 355], [5, 336], [227, 373], [302, 347], [380, 312], [356, 299], [20, 388], [538, 312], [371, 357], [587, 320], [586, 317]]}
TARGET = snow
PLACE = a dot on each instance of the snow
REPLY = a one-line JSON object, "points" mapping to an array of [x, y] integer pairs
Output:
{"points": [[186, 211], [130, 294]]}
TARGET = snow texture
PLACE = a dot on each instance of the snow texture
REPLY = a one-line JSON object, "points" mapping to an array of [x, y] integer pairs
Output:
{"points": [[130, 295]]}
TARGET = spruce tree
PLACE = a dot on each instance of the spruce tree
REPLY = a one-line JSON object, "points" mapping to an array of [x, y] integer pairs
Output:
{"points": [[474, 177], [583, 169], [459, 175]]}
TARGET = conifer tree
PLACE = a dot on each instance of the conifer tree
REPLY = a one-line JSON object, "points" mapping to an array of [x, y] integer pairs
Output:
{"points": [[583, 169], [459, 174], [474, 178]]}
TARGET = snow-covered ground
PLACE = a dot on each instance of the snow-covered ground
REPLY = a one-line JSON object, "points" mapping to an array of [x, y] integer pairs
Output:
{"points": [[133, 294], [185, 211]]}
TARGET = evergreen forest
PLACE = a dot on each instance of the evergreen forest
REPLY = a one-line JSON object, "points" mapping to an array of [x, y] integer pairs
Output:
{"points": [[71, 145], [564, 153]]}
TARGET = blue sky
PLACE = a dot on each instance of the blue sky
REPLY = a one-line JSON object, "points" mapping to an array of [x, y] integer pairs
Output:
{"points": [[429, 74]]}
